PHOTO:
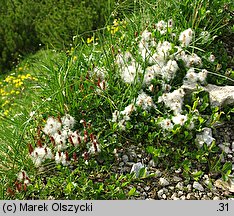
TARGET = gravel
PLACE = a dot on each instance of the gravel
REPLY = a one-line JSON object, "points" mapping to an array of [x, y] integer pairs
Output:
{"points": [[170, 184]]}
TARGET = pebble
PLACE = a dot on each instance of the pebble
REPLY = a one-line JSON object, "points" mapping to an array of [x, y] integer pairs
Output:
{"points": [[183, 197], [225, 148], [147, 188], [125, 158], [176, 179], [178, 170], [180, 186], [171, 187], [164, 196], [180, 193], [190, 196], [189, 187], [158, 173], [163, 182], [174, 195], [232, 145], [152, 163], [216, 198], [198, 186], [160, 193]]}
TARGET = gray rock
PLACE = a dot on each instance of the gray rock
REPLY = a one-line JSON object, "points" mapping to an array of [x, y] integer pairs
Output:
{"points": [[174, 195], [171, 188], [164, 182], [225, 148], [164, 196], [183, 197], [152, 163], [136, 168], [147, 188], [190, 196], [189, 187], [178, 170], [180, 186], [216, 198], [160, 193], [232, 145], [125, 158], [180, 193], [158, 173], [198, 186], [220, 95], [176, 179]]}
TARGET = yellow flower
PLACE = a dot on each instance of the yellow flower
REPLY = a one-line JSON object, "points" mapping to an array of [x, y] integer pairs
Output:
{"points": [[20, 69], [74, 58], [6, 112], [19, 84], [90, 40]]}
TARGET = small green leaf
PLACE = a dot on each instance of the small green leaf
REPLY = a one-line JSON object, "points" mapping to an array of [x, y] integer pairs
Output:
{"points": [[132, 191]]}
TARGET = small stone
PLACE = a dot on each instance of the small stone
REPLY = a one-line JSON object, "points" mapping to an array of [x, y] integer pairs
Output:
{"points": [[183, 197], [180, 186], [152, 163], [180, 193], [216, 198], [163, 182], [198, 186], [125, 158], [178, 170], [164, 196], [139, 156], [189, 187], [174, 195], [176, 198], [225, 148], [190, 196], [160, 193], [232, 145], [147, 188], [205, 197], [121, 164], [209, 194], [171, 188], [229, 156], [158, 173], [176, 179]]}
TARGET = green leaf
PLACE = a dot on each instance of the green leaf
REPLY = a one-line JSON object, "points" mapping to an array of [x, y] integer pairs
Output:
{"points": [[227, 167], [197, 175], [132, 191]]}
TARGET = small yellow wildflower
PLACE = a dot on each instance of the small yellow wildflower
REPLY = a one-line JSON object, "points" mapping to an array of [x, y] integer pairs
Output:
{"points": [[74, 58], [90, 40], [6, 112]]}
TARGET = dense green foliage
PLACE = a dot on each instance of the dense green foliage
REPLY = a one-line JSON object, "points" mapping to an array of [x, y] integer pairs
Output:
{"points": [[25, 25]]}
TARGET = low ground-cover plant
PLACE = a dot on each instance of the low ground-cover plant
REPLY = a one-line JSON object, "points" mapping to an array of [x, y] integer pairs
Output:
{"points": [[124, 86]]}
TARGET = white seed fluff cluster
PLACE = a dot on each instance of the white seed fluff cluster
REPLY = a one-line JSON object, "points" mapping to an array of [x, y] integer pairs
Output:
{"points": [[40, 154], [144, 101], [173, 100], [186, 37]]}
